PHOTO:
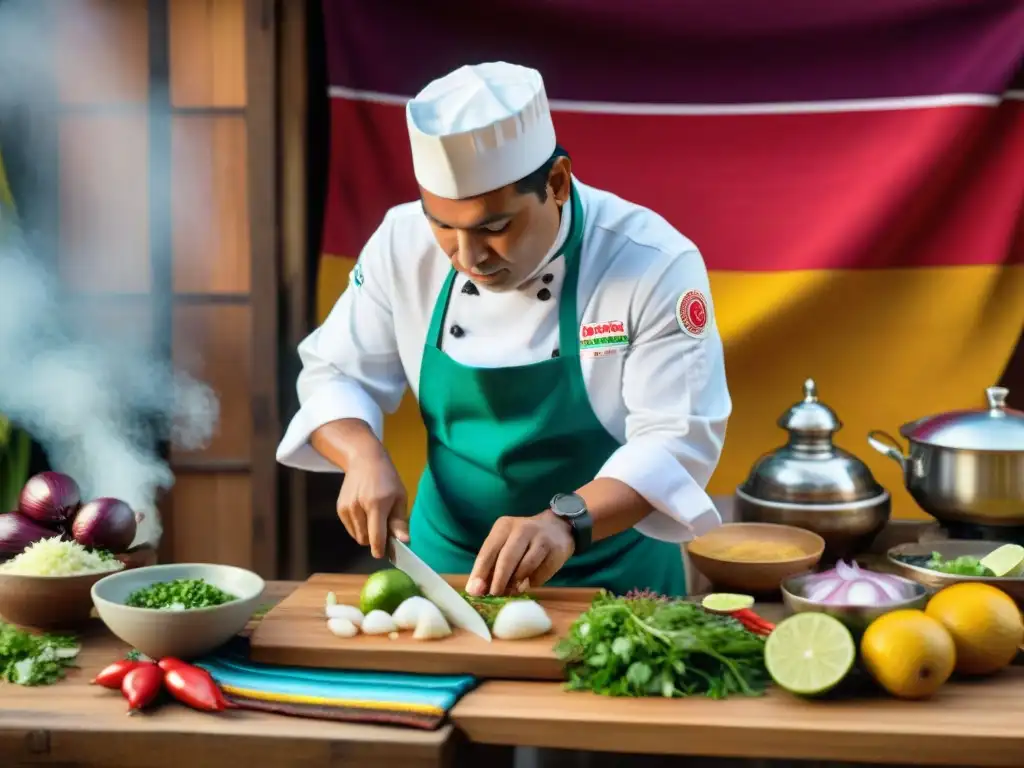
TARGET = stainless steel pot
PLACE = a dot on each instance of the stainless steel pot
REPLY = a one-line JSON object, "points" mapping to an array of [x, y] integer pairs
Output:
{"points": [[811, 483], [964, 466]]}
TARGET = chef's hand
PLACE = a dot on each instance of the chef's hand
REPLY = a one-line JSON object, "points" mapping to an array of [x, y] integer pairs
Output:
{"points": [[373, 502], [520, 552]]}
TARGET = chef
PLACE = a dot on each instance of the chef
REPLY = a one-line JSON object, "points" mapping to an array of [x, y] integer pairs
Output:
{"points": [[561, 343]]}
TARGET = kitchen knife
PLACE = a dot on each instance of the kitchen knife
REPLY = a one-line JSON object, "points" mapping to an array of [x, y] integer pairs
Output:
{"points": [[437, 590]]}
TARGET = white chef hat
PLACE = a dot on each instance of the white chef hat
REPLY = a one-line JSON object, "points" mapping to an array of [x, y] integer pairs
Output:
{"points": [[479, 128]]}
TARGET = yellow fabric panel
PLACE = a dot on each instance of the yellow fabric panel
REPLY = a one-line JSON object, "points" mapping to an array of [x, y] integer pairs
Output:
{"points": [[884, 346], [6, 196]]}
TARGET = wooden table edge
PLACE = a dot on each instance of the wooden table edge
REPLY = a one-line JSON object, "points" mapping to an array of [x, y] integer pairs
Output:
{"points": [[702, 737]]}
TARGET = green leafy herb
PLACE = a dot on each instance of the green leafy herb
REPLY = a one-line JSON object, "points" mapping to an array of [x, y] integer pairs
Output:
{"points": [[489, 605], [649, 646], [965, 565], [180, 594], [28, 659]]}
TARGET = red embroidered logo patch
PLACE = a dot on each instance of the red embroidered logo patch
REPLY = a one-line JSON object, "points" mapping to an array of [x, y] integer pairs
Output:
{"points": [[692, 314]]}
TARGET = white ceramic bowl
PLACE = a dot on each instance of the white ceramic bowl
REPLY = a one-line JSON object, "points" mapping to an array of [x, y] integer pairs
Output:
{"points": [[182, 634]]}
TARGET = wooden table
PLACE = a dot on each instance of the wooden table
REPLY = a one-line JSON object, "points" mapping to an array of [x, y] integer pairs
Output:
{"points": [[75, 725], [967, 724]]}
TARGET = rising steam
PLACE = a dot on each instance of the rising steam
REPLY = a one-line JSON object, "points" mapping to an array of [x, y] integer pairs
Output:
{"points": [[98, 405]]}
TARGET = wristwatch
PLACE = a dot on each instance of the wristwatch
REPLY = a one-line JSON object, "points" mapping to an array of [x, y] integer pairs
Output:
{"points": [[573, 509]]}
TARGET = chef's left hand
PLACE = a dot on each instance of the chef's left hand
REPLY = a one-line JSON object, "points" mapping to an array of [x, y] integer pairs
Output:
{"points": [[518, 550]]}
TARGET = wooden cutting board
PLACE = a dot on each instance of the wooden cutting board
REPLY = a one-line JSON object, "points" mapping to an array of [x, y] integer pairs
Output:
{"points": [[294, 633]]}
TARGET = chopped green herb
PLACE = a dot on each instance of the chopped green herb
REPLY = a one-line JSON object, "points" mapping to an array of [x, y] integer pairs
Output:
{"points": [[28, 659], [489, 605], [651, 646], [965, 565], [179, 595]]}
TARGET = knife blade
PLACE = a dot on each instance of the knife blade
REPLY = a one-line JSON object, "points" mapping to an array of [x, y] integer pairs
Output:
{"points": [[438, 591]]}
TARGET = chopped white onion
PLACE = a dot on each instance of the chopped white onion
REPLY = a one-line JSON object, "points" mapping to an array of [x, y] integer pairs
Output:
{"points": [[849, 584]]}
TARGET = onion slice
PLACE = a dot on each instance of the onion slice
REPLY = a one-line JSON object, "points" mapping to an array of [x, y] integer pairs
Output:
{"points": [[849, 584]]}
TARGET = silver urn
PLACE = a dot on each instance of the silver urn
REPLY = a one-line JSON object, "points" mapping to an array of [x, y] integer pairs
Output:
{"points": [[811, 483]]}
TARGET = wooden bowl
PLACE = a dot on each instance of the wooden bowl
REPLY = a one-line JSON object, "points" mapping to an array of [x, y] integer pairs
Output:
{"points": [[47, 603], [141, 556], [709, 556]]}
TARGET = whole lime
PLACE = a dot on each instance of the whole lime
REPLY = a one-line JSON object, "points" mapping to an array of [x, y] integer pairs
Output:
{"points": [[386, 590]]}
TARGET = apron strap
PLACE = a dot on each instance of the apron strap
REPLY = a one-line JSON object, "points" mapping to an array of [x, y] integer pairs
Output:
{"points": [[440, 310], [568, 319], [568, 333]]}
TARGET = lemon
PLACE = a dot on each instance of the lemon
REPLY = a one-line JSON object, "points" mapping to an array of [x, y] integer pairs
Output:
{"points": [[985, 625], [908, 653], [809, 653], [386, 590], [1008, 560], [725, 602]]}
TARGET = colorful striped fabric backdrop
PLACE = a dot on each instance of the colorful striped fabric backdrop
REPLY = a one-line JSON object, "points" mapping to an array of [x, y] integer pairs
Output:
{"points": [[853, 172]]}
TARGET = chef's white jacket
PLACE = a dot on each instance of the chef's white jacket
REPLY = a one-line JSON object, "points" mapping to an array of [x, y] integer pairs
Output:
{"points": [[664, 398]]}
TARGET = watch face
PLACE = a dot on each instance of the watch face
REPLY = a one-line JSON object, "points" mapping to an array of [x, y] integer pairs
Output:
{"points": [[568, 505]]}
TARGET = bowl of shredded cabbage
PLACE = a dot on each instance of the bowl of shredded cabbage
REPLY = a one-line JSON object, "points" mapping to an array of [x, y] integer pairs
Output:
{"points": [[48, 586]]}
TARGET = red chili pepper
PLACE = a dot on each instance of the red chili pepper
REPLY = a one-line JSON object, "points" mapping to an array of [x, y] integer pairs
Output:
{"points": [[194, 687], [141, 686], [753, 622], [113, 675], [169, 663]]}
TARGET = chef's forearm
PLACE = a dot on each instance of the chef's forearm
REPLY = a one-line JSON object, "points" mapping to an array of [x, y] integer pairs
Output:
{"points": [[613, 505], [343, 441]]}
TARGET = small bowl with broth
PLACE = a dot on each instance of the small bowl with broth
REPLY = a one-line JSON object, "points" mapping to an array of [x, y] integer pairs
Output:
{"points": [[754, 557]]}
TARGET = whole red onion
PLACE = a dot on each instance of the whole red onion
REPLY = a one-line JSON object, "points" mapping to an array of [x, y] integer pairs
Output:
{"points": [[104, 524], [50, 498], [17, 532]]}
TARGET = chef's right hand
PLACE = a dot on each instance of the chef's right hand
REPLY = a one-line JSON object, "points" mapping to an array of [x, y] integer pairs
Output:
{"points": [[373, 502]]}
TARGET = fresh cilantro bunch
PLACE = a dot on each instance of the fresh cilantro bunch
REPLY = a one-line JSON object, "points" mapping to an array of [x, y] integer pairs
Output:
{"points": [[649, 646], [27, 659]]}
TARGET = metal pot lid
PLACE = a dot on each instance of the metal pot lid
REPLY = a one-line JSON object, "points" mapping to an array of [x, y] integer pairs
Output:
{"points": [[810, 417], [996, 428], [810, 469]]}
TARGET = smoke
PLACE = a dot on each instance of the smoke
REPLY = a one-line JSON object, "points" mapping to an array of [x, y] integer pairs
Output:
{"points": [[98, 402]]}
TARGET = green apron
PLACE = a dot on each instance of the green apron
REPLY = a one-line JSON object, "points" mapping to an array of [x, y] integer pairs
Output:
{"points": [[503, 441]]}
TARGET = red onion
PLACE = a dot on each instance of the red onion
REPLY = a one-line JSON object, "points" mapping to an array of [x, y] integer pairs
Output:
{"points": [[849, 584], [104, 524], [50, 498], [17, 532]]}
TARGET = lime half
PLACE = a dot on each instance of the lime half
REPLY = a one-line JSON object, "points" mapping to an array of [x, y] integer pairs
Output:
{"points": [[386, 590], [725, 602], [1008, 560], [809, 653]]}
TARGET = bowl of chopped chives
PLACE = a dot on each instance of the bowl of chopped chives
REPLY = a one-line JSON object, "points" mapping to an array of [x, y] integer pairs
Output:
{"points": [[184, 610]]}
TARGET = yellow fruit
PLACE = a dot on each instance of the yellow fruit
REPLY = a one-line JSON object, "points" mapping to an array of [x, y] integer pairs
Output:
{"points": [[985, 624], [908, 653]]}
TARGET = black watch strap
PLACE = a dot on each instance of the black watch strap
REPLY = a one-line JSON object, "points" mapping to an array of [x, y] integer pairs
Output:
{"points": [[573, 509]]}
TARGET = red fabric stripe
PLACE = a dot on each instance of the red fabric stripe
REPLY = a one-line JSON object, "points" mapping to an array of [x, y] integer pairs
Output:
{"points": [[902, 188]]}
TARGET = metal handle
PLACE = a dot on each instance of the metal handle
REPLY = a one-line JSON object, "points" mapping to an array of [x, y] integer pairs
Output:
{"points": [[997, 397], [887, 445]]}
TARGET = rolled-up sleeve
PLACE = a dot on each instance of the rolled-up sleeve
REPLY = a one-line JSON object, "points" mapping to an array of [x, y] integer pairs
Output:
{"points": [[351, 368], [677, 404]]}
